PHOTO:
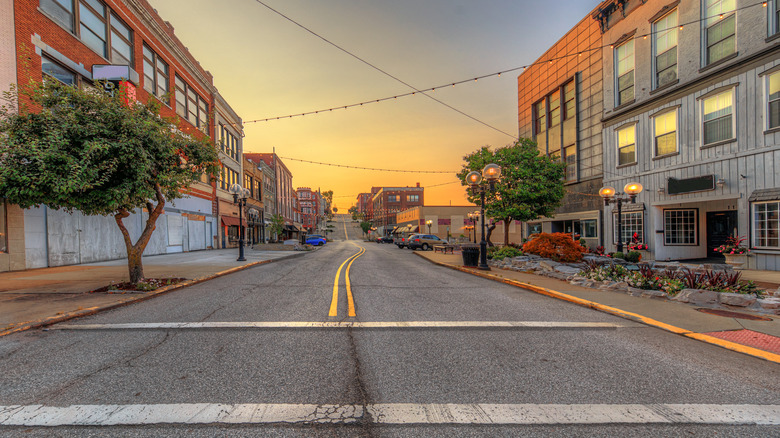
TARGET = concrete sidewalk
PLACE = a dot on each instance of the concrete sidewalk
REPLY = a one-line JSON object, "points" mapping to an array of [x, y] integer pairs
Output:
{"points": [[754, 337], [37, 297]]}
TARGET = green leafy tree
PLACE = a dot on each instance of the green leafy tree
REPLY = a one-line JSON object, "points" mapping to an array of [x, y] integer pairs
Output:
{"points": [[73, 149], [531, 184], [365, 226], [328, 195], [356, 215], [277, 225]]}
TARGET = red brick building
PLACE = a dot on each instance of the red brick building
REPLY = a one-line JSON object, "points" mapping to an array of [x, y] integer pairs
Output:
{"points": [[308, 206], [78, 42], [388, 201]]}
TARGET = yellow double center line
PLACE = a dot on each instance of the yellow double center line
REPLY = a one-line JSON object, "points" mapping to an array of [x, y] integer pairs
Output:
{"points": [[334, 303]]}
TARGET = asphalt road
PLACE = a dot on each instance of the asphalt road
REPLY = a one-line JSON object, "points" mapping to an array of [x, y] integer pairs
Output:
{"points": [[429, 352]]}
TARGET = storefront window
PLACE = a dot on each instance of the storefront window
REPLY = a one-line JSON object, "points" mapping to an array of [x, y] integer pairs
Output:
{"points": [[589, 228], [766, 225], [534, 229], [680, 227], [633, 222]]}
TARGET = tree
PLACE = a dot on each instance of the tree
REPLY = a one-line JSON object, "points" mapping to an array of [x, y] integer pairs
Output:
{"points": [[531, 184], [277, 225], [365, 226], [356, 215], [86, 150], [328, 196]]}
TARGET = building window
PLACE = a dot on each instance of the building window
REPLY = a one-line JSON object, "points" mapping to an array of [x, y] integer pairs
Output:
{"points": [[665, 133], [766, 225], [665, 49], [249, 186], [773, 111], [718, 117], [393, 198], [570, 106], [190, 106], [413, 198], [626, 140], [60, 10], [555, 109], [589, 228], [155, 73], [570, 158], [624, 62], [58, 72], [680, 227], [3, 227], [774, 18], [228, 142], [720, 37], [534, 229], [92, 29], [633, 222], [121, 42]]}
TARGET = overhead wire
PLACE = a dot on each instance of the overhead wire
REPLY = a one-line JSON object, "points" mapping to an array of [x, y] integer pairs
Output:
{"points": [[463, 81]]}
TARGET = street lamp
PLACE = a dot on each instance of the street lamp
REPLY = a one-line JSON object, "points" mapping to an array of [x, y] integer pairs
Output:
{"points": [[239, 197], [491, 173], [610, 196], [429, 223]]}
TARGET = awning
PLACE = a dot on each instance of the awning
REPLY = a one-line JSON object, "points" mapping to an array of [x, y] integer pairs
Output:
{"points": [[230, 221], [765, 195], [414, 229], [292, 228]]}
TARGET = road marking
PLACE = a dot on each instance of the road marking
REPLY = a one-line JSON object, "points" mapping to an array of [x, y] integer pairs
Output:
{"points": [[350, 299], [344, 221], [334, 301], [388, 413], [345, 324]]}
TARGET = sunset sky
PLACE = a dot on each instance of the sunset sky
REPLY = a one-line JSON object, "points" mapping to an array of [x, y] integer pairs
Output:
{"points": [[266, 66]]}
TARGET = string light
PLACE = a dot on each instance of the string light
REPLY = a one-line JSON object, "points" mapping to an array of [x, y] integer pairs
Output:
{"points": [[367, 168], [497, 74]]}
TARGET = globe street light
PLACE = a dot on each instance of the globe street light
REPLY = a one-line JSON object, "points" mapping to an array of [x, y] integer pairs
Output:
{"points": [[429, 223], [239, 197], [491, 173], [610, 195]]}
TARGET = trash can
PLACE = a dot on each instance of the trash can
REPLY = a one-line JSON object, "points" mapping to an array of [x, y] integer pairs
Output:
{"points": [[470, 255]]}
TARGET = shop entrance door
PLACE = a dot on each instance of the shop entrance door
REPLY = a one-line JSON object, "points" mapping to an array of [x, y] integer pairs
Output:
{"points": [[720, 226]]}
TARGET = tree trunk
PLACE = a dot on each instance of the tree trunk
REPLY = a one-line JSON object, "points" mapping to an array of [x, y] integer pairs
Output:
{"points": [[489, 233], [135, 251], [506, 231]]}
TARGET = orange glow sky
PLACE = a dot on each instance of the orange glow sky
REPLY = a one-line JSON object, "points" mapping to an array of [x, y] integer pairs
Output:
{"points": [[266, 66]]}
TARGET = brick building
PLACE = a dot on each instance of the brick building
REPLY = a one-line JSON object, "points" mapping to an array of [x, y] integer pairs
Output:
{"points": [[69, 40], [309, 207], [285, 201], [255, 211], [388, 201]]}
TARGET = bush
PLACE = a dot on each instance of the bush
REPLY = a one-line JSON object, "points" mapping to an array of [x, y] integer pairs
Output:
{"points": [[507, 251], [617, 255], [556, 246], [633, 256]]}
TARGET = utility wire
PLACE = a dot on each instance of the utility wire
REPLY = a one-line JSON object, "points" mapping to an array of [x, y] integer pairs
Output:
{"points": [[475, 79], [381, 71], [367, 168]]}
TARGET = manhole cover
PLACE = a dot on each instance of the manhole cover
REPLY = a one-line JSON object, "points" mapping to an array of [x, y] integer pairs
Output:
{"points": [[730, 314]]}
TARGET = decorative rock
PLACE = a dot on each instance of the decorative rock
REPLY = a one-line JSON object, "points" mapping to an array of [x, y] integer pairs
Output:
{"points": [[548, 265], [739, 300], [633, 291], [769, 303], [568, 270], [697, 296], [620, 286], [654, 294]]}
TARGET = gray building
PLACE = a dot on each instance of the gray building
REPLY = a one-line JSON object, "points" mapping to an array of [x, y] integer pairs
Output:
{"points": [[230, 142], [692, 112], [560, 104]]}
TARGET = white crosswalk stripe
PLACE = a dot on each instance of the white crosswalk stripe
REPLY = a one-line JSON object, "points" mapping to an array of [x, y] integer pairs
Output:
{"points": [[389, 413]]}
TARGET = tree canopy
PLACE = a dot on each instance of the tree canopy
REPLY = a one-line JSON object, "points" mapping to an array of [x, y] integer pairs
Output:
{"points": [[531, 184], [87, 150]]}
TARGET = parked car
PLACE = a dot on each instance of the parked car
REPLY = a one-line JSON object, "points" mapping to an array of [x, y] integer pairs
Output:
{"points": [[318, 236], [400, 240], [384, 239], [424, 241], [316, 241]]}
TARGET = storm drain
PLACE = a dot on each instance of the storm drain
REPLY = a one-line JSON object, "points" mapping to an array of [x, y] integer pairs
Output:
{"points": [[730, 314], [750, 338]]}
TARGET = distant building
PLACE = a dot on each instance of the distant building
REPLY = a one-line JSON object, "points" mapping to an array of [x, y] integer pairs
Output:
{"points": [[450, 223], [364, 204], [388, 201], [285, 194], [308, 205], [255, 212], [230, 135]]}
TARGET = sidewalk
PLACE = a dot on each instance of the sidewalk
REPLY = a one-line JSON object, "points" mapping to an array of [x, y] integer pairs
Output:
{"points": [[37, 297], [755, 337]]}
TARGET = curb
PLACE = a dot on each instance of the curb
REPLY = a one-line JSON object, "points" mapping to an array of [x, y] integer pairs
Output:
{"points": [[755, 352], [164, 290]]}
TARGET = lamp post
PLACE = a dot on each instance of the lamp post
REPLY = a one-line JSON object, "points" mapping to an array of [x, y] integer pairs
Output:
{"points": [[429, 223], [610, 196], [239, 197], [491, 173]]}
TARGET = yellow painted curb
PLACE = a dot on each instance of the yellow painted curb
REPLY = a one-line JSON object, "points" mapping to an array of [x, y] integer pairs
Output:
{"points": [[20, 327], [755, 352]]}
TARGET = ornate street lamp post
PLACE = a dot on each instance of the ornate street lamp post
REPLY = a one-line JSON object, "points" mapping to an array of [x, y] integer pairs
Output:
{"points": [[429, 223], [239, 197], [610, 196], [491, 173]]}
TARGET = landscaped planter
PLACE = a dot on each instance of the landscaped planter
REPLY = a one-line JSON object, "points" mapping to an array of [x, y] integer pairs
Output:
{"points": [[646, 256], [737, 261]]}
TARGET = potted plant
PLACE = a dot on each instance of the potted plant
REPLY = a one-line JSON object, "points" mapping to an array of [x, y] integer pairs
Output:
{"points": [[642, 248], [736, 254]]}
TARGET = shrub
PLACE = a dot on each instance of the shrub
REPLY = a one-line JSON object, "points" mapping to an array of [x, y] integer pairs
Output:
{"points": [[560, 247], [633, 256], [507, 251], [618, 255]]}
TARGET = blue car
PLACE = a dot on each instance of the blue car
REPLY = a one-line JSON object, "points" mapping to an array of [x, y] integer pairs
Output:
{"points": [[316, 241]]}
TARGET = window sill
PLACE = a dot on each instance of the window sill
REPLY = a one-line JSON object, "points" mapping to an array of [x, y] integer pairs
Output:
{"points": [[661, 157], [623, 166], [664, 87], [772, 130], [719, 143], [773, 38], [765, 251], [719, 62], [624, 105]]}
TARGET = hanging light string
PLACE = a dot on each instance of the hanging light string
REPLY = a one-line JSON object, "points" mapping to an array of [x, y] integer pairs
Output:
{"points": [[366, 168], [379, 70], [470, 80]]}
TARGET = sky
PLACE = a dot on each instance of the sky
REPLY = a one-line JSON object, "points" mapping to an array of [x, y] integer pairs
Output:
{"points": [[266, 67]]}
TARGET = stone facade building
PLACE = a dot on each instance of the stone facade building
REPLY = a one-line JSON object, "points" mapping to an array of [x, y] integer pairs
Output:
{"points": [[692, 112]]}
